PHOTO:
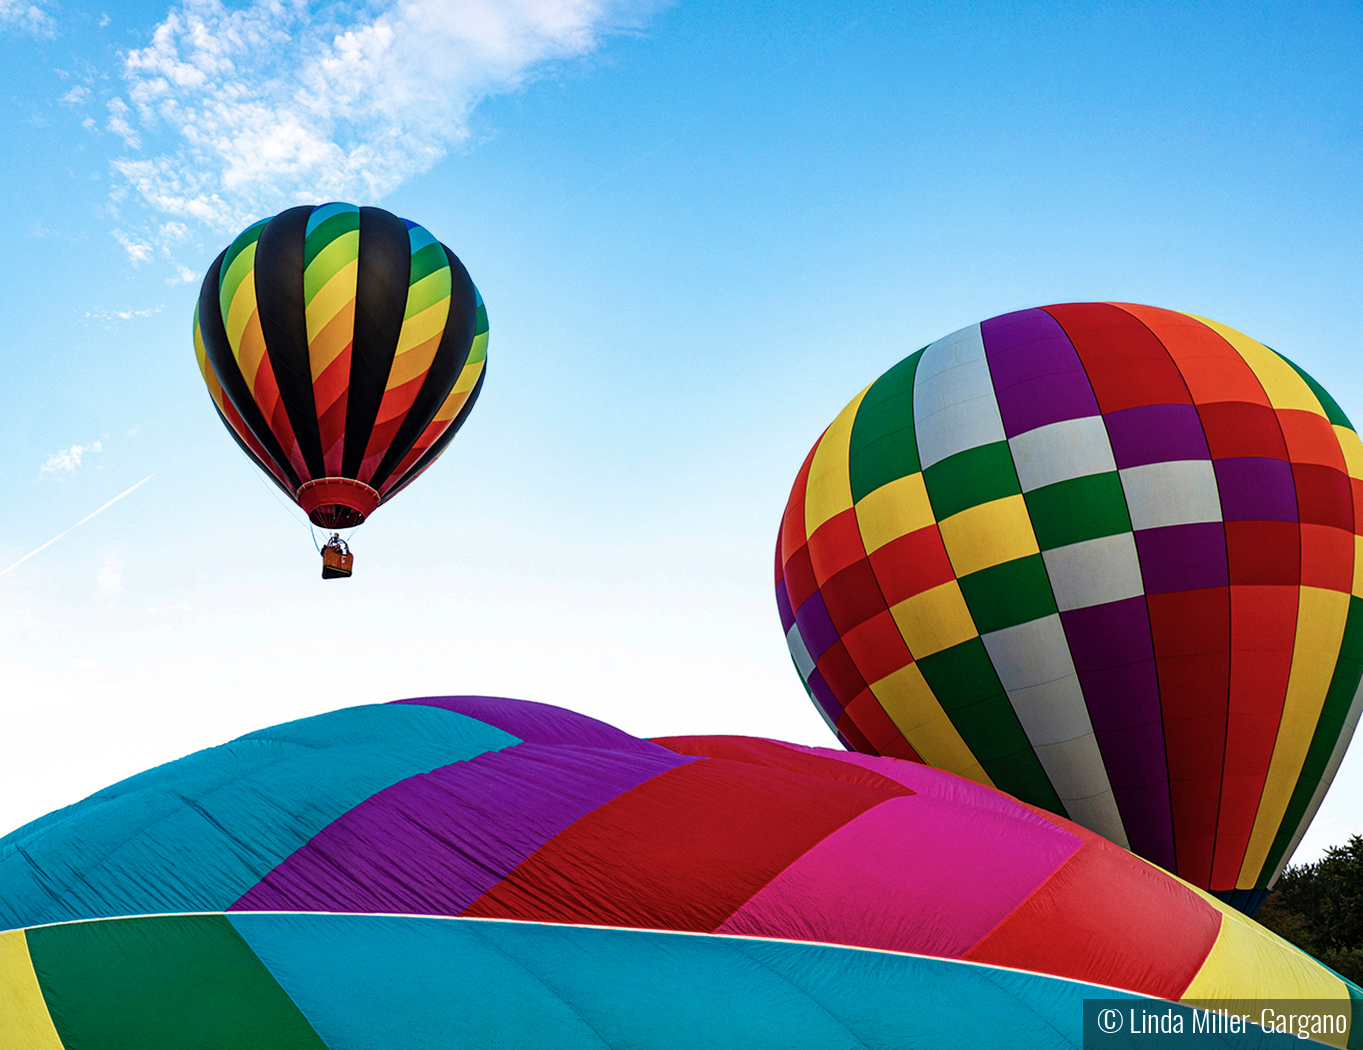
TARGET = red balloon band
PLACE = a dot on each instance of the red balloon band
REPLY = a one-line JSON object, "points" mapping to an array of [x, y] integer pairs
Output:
{"points": [[333, 502]]}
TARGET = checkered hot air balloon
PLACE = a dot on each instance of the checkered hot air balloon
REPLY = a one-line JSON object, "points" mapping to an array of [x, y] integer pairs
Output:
{"points": [[343, 348], [481, 872], [1104, 557]]}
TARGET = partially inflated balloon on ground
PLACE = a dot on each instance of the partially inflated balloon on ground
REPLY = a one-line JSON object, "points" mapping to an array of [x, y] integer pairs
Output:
{"points": [[1101, 556], [470, 871]]}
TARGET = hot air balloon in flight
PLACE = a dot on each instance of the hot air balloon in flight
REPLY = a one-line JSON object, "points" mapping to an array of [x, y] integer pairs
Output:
{"points": [[343, 348], [1105, 557], [477, 871]]}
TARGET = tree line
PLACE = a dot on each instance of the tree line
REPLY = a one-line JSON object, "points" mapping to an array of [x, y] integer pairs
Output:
{"points": [[1319, 908]]}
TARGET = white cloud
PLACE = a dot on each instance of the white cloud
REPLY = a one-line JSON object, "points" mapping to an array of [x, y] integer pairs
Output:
{"points": [[173, 233], [22, 15], [139, 252], [108, 318], [261, 107], [77, 96], [118, 123], [68, 459]]}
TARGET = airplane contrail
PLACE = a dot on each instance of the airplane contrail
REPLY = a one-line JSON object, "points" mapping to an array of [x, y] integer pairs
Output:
{"points": [[78, 524]]}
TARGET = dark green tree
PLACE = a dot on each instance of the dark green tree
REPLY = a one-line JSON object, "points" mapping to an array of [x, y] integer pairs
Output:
{"points": [[1319, 908]]}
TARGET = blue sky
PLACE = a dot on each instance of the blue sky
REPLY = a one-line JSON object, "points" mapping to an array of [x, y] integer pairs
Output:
{"points": [[700, 229]]}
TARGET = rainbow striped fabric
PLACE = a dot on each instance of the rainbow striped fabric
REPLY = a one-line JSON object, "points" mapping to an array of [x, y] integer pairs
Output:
{"points": [[1105, 557], [473, 871], [341, 343]]}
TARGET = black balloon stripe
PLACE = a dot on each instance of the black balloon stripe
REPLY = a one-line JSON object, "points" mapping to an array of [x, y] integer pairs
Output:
{"points": [[450, 357], [219, 353], [385, 267], [284, 324]]}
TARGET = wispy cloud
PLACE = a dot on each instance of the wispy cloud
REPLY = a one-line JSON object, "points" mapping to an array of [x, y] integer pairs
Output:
{"points": [[139, 251], [118, 123], [109, 318], [243, 111], [20, 14], [68, 459]]}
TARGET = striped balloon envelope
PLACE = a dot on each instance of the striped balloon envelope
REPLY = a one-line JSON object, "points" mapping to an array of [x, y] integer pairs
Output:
{"points": [[343, 348], [1104, 557], [480, 872]]}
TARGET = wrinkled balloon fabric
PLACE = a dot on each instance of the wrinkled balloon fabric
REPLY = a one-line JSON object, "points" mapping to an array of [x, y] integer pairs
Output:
{"points": [[1104, 557], [475, 871]]}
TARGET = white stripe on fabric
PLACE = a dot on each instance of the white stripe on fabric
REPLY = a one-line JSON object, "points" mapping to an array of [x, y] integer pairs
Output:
{"points": [[1072, 448], [1033, 662], [804, 663], [1036, 653], [1094, 572], [953, 398], [1052, 712], [1098, 813], [1180, 492]]}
